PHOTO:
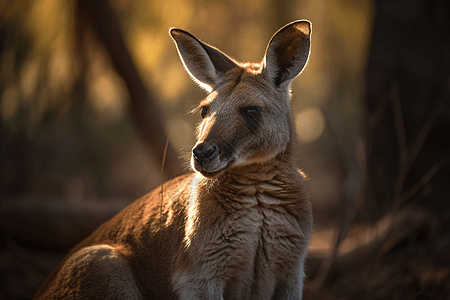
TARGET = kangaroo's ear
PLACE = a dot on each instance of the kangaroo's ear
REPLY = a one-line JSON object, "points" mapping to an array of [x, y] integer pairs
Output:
{"points": [[204, 63], [288, 51]]}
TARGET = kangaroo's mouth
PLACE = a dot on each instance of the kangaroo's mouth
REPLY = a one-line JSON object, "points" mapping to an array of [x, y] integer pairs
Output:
{"points": [[209, 169], [211, 159], [210, 174]]}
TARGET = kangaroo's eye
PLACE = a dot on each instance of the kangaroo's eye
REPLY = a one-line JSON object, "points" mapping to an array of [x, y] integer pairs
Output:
{"points": [[252, 111], [204, 111]]}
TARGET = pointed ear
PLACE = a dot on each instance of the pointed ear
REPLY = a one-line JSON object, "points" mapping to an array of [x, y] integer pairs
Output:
{"points": [[288, 51], [204, 63]]}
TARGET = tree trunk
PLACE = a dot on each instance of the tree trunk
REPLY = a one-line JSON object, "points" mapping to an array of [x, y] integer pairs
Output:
{"points": [[407, 101], [143, 105]]}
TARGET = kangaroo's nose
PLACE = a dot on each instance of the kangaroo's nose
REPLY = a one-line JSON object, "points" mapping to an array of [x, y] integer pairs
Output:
{"points": [[204, 151]]}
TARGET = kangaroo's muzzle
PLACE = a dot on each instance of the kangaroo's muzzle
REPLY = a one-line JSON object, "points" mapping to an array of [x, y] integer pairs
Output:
{"points": [[210, 159], [203, 152]]}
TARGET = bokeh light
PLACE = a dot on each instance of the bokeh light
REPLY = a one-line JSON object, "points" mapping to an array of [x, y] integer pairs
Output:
{"points": [[310, 124]]}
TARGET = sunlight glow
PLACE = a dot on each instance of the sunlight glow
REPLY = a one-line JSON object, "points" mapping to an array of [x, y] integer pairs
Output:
{"points": [[173, 82], [180, 133], [9, 103], [107, 97], [61, 72], [310, 124], [29, 78], [148, 46]]}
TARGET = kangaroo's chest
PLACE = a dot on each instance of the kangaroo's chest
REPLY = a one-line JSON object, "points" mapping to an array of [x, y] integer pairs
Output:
{"points": [[264, 235], [246, 246]]}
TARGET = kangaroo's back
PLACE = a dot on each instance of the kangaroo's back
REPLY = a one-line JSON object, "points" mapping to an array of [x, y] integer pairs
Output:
{"points": [[143, 237], [237, 228]]}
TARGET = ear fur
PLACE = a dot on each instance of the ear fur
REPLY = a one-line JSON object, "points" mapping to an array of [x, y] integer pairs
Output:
{"points": [[204, 63], [287, 52]]}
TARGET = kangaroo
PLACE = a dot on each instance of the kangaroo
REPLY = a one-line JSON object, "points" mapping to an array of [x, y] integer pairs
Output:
{"points": [[236, 228]]}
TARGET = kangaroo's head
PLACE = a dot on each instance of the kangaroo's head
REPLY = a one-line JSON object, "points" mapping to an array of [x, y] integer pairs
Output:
{"points": [[246, 115]]}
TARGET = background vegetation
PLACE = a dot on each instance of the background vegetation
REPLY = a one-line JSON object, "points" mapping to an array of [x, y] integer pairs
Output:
{"points": [[90, 91]]}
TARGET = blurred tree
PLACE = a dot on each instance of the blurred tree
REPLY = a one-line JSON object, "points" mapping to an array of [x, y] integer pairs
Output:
{"points": [[48, 114], [407, 184], [144, 109], [408, 106]]}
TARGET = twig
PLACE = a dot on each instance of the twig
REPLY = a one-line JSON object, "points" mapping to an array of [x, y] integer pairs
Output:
{"points": [[326, 267], [401, 142], [379, 236], [411, 156], [422, 182], [380, 108], [162, 190], [407, 158], [428, 125]]}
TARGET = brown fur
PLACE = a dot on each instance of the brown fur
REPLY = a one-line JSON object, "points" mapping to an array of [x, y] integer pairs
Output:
{"points": [[240, 226]]}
